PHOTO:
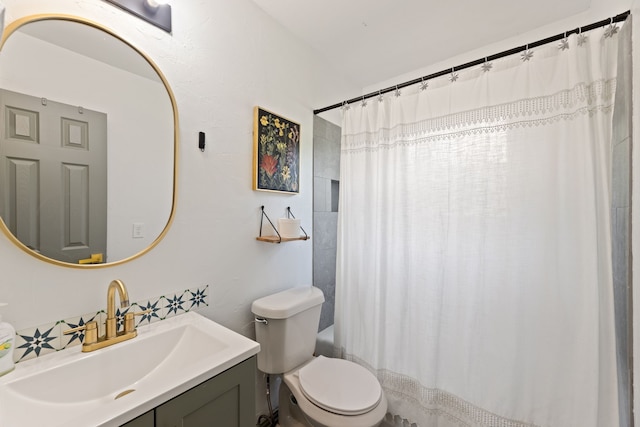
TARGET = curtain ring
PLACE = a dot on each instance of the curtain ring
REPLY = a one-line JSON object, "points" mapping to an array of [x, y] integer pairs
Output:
{"points": [[487, 66], [527, 54], [454, 75], [582, 39], [564, 43]]}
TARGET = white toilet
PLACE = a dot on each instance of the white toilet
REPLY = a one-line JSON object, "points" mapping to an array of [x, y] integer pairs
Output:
{"points": [[316, 391]]}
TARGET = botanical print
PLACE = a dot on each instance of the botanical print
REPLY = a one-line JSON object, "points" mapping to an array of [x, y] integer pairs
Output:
{"points": [[276, 152]]}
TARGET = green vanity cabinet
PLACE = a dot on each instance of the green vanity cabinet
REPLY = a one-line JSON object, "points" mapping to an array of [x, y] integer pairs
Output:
{"points": [[145, 420], [228, 399]]}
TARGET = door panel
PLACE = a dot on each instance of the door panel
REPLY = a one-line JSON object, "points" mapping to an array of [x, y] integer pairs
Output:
{"points": [[22, 212], [53, 171], [75, 210]]}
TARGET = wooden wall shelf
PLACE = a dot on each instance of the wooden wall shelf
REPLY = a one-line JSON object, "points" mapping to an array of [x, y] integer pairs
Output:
{"points": [[278, 238]]}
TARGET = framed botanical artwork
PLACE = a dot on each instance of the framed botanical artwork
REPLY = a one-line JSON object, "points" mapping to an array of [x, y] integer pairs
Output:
{"points": [[276, 153]]}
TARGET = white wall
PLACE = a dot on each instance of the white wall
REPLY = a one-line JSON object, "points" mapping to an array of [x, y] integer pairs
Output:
{"points": [[223, 58]]}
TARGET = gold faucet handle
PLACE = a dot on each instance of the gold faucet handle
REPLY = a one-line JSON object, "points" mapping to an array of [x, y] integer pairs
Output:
{"points": [[89, 325], [91, 331], [129, 323]]}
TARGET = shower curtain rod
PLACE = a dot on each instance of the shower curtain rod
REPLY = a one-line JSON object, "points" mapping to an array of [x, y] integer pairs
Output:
{"points": [[617, 18]]}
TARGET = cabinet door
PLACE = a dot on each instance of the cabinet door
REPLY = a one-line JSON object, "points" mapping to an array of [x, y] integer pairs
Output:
{"points": [[226, 400], [144, 420]]}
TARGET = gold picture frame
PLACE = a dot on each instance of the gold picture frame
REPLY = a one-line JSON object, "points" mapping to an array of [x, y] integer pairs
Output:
{"points": [[276, 153]]}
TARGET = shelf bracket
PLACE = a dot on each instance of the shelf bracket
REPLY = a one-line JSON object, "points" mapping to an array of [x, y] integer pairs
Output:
{"points": [[264, 215]]}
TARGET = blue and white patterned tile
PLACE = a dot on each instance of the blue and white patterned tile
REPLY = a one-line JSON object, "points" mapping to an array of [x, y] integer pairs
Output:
{"points": [[76, 338], [48, 338], [120, 312], [197, 298], [176, 303], [156, 307], [36, 342]]}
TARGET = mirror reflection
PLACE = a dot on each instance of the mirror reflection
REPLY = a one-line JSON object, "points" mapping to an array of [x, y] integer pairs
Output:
{"points": [[87, 143]]}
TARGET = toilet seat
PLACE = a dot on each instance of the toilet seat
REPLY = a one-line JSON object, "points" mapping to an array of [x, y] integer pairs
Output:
{"points": [[339, 386]]}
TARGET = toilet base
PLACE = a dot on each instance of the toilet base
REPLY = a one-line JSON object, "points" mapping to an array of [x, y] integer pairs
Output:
{"points": [[291, 413]]}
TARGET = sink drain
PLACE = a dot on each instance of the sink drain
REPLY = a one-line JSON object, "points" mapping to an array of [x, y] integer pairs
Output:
{"points": [[124, 393]]}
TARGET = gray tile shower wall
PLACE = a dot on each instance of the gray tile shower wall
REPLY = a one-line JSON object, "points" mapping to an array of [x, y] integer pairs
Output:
{"points": [[326, 182], [621, 230]]}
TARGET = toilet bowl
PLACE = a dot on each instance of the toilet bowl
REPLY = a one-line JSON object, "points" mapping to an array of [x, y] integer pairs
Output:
{"points": [[316, 391], [331, 393]]}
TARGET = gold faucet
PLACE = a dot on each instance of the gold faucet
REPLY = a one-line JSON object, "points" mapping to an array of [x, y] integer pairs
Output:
{"points": [[111, 325], [111, 336]]}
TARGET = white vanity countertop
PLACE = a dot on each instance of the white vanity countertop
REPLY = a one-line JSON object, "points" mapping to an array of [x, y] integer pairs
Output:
{"points": [[167, 358]]}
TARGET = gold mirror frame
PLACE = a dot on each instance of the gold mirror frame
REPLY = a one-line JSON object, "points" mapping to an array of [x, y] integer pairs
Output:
{"points": [[10, 29]]}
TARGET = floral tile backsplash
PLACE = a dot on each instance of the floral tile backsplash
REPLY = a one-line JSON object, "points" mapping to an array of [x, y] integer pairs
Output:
{"points": [[49, 338]]}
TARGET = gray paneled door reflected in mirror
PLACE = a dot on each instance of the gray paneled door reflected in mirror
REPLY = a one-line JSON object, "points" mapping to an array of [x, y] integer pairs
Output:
{"points": [[88, 143]]}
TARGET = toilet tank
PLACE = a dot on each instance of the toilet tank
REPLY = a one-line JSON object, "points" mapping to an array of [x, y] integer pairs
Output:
{"points": [[286, 328]]}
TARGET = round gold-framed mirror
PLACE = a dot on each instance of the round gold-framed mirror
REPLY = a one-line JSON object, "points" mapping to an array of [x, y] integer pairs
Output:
{"points": [[88, 143]]}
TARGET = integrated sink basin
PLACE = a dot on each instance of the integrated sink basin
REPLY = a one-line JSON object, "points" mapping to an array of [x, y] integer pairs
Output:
{"points": [[111, 386]]}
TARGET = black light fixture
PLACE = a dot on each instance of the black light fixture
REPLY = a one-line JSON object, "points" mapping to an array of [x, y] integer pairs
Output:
{"points": [[155, 12]]}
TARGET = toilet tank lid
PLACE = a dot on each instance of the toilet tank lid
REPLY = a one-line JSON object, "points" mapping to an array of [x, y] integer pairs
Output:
{"points": [[287, 303]]}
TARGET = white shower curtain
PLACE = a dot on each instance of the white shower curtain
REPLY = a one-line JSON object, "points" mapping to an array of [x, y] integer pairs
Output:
{"points": [[474, 245]]}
